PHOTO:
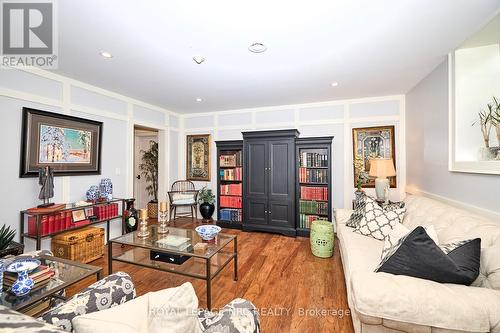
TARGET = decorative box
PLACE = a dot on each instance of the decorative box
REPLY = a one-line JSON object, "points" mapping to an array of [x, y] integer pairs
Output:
{"points": [[82, 245]]}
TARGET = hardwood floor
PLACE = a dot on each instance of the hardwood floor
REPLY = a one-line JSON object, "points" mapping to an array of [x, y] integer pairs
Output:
{"points": [[278, 274]]}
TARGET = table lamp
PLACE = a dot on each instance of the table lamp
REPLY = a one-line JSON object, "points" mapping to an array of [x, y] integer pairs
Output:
{"points": [[381, 168]]}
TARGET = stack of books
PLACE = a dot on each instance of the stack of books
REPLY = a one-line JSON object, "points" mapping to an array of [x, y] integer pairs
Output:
{"points": [[174, 242], [40, 275], [231, 189], [230, 174], [313, 175], [313, 160], [313, 207], [230, 160], [230, 202], [314, 193], [228, 214]]}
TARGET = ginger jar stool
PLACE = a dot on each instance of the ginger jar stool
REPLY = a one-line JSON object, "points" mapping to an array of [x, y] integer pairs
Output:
{"points": [[322, 238]]}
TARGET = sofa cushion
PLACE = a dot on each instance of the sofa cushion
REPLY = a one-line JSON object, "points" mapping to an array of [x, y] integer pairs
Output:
{"points": [[424, 302], [377, 222], [172, 310], [419, 256]]}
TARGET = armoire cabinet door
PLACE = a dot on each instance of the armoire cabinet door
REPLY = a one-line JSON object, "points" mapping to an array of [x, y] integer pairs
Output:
{"points": [[256, 187]]}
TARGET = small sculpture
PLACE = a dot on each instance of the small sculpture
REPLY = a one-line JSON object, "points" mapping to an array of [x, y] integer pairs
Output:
{"points": [[46, 180]]}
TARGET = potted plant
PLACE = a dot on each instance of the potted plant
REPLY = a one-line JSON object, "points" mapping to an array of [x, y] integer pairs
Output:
{"points": [[361, 174], [149, 169], [206, 200], [7, 244], [486, 122]]}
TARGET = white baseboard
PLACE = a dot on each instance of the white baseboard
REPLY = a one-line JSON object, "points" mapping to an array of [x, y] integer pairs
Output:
{"points": [[489, 214]]}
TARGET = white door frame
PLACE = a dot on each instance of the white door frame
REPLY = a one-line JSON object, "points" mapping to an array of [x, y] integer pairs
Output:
{"points": [[163, 158]]}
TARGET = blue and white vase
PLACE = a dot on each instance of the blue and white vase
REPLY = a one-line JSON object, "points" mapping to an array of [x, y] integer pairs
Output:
{"points": [[106, 188], [93, 193], [24, 282]]}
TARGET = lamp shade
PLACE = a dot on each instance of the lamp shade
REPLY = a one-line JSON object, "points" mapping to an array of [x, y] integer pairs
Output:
{"points": [[382, 168]]}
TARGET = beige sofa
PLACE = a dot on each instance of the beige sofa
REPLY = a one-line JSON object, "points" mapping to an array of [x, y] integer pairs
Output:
{"points": [[382, 302]]}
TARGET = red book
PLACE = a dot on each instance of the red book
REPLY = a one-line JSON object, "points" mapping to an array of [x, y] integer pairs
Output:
{"points": [[45, 225], [68, 220], [57, 225], [52, 223]]}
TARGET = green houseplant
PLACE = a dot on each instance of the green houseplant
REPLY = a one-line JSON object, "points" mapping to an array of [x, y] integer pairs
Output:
{"points": [[7, 244], [149, 169], [206, 200]]}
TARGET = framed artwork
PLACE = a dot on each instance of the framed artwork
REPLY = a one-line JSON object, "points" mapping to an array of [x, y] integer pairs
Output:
{"points": [[198, 157], [70, 145], [78, 215], [373, 142]]}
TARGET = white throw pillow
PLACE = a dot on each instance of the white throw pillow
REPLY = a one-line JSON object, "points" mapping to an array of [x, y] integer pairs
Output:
{"points": [[377, 222], [172, 310]]}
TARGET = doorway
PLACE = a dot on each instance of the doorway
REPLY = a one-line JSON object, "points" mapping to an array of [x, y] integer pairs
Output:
{"points": [[143, 139]]}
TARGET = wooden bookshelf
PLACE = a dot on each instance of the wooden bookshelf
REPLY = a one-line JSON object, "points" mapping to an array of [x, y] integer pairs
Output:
{"points": [[314, 183], [229, 184]]}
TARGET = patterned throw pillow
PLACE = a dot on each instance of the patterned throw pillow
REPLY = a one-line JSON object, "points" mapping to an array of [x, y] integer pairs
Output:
{"points": [[377, 222], [359, 211], [392, 205]]}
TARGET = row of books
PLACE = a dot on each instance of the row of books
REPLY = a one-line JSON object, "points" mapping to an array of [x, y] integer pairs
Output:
{"points": [[306, 220], [65, 220], [230, 202], [230, 160], [228, 214], [313, 207], [314, 193], [231, 174], [40, 275], [312, 160], [313, 175], [231, 189]]}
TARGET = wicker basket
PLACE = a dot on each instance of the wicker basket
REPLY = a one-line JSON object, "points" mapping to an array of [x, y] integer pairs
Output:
{"points": [[82, 245]]}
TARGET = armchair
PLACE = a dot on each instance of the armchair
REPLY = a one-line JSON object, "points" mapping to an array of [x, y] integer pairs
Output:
{"points": [[183, 194]]}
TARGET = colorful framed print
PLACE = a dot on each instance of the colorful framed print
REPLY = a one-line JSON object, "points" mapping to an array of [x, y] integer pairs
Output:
{"points": [[374, 142], [198, 157], [69, 145], [78, 215]]}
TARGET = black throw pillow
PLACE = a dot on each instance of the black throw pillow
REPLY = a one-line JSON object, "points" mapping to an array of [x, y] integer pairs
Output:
{"points": [[417, 255]]}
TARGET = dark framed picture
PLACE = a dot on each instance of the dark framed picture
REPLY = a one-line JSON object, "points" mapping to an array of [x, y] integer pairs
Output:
{"points": [[70, 145], [78, 215], [373, 142], [198, 157]]}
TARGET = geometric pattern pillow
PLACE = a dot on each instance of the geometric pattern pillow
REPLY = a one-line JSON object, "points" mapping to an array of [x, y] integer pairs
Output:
{"points": [[377, 222], [238, 316], [400, 231], [359, 211], [392, 205]]}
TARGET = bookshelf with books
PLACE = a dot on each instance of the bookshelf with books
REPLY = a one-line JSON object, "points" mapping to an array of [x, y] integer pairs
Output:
{"points": [[314, 183], [229, 184]]}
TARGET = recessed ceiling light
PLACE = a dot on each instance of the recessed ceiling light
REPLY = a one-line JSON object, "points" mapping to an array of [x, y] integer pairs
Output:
{"points": [[198, 59], [198, 99], [257, 48], [106, 54], [334, 84]]}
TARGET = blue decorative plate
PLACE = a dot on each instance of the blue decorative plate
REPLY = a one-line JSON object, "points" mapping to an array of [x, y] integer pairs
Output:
{"points": [[20, 265]]}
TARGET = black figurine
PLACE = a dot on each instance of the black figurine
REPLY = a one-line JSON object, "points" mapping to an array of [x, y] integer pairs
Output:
{"points": [[46, 180]]}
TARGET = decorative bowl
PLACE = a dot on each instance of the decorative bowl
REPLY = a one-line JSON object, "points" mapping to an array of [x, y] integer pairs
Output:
{"points": [[21, 265], [208, 232]]}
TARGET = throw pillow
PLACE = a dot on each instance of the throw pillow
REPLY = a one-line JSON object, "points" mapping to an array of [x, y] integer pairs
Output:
{"points": [[399, 231], [377, 222], [417, 255], [392, 205], [359, 211]]}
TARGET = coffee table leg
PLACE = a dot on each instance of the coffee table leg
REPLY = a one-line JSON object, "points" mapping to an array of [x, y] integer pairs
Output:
{"points": [[209, 285], [235, 259], [110, 258]]}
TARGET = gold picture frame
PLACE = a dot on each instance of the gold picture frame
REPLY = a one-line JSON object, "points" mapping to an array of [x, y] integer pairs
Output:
{"points": [[374, 142], [198, 157]]}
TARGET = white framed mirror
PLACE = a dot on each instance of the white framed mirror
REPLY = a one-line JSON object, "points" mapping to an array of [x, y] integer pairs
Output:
{"points": [[474, 83]]}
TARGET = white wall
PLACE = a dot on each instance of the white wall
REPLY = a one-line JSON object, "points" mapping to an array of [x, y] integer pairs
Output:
{"points": [[336, 118], [46, 91], [427, 148]]}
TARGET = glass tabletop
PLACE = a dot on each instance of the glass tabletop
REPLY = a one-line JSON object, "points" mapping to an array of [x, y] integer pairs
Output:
{"points": [[177, 241], [66, 272]]}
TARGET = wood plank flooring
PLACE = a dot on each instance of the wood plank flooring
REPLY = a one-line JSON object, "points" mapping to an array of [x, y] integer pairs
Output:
{"points": [[278, 274]]}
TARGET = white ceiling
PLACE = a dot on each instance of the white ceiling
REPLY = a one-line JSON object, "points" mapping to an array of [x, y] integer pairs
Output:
{"points": [[370, 48]]}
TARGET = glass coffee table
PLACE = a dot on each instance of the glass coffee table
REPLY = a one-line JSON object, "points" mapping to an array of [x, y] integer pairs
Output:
{"points": [[67, 273], [204, 259]]}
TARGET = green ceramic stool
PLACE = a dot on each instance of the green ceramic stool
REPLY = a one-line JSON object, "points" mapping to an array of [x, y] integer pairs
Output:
{"points": [[322, 238]]}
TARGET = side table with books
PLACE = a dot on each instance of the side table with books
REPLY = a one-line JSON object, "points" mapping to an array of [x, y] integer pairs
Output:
{"points": [[51, 278]]}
